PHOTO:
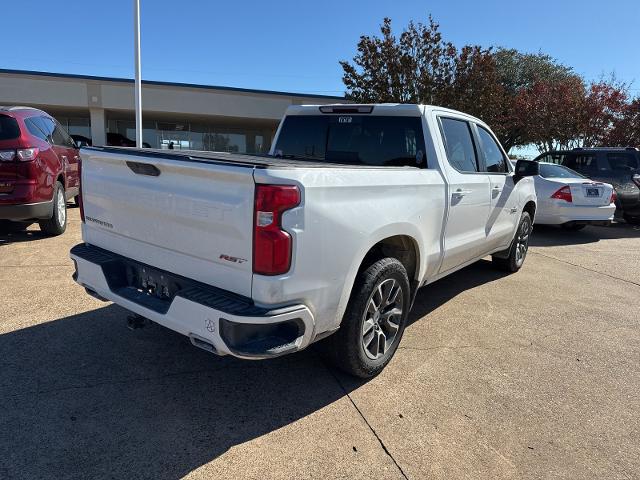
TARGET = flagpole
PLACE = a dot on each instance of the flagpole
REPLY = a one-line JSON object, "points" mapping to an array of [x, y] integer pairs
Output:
{"points": [[138, 81]]}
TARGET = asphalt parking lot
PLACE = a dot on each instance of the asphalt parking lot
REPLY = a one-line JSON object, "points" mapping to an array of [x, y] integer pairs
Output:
{"points": [[532, 375]]}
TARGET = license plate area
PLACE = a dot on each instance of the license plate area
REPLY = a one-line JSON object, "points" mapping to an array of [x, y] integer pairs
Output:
{"points": [[592, 192], [144, 285]]}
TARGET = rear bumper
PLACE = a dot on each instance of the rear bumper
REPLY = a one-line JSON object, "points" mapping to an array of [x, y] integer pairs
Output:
{"points": [[26, 211], [215, 320], [551, 213]]}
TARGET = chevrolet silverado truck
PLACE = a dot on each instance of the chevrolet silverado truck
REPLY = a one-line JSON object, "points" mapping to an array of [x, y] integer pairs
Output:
{"points": [[327, 238]]}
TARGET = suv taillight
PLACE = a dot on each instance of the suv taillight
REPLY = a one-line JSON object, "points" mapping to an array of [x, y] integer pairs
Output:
{"points": [[22, 154], [80, 202], [563, 194], [271, 244], [27, 154]]}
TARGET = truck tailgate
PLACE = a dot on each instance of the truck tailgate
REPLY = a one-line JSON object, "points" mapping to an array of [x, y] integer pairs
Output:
{"points": [[188, 217]]}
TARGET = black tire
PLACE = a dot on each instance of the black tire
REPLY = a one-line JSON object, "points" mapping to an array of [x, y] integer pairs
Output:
{"points": [[631, 220], [57, 224], [512, 259], [346, 348], [573, 227]]}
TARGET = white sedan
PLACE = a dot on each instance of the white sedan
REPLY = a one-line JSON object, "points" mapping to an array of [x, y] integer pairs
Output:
{"points": [[568, 199]]}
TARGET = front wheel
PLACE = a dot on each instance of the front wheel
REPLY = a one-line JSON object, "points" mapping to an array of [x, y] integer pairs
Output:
{"points": [[512, 259], [374, 321], [57, 224]]}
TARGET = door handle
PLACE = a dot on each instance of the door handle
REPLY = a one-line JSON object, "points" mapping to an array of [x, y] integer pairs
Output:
{"points": [[64, 157], [460, 192]]}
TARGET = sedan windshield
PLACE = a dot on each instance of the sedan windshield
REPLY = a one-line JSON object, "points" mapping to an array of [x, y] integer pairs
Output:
{"points": [[548, 170]]}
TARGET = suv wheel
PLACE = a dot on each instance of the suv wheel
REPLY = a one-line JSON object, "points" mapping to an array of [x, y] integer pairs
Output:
{"points": [[374, 321], [57, 224], [517, 252]]}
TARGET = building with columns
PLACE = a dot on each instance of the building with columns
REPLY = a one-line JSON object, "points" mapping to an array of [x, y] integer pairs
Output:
{"points": [[198, 117]]}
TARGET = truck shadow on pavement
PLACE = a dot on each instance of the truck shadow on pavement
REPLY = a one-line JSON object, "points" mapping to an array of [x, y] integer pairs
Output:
{"points": [[84, 397], [549, 236], [7, 238]]}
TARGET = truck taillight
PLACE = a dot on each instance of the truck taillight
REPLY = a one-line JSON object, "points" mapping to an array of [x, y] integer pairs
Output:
{"points": [[80, 202], [563, 194], [271, 244]]}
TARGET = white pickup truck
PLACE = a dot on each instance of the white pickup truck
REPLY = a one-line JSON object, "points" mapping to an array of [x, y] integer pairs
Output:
{"points": [[327, 238]]}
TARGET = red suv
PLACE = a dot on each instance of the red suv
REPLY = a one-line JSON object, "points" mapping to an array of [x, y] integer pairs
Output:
{"points": [[38, 170]]}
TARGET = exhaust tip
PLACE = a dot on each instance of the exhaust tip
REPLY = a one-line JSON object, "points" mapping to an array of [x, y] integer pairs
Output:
{"points": [[203, 343]]}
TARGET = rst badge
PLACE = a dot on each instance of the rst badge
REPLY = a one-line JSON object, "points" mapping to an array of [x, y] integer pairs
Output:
{"points": [[345, 119]]}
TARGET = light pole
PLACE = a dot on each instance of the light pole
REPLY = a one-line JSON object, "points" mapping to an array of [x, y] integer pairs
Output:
{"points": [[138, 81]]}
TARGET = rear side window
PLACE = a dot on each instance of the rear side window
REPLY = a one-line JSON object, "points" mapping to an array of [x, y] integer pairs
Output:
{"points": [[353, 139], [461, 151], [622, 162], [495, 162], [8, 128], [34, 129], [557, 171], [583, 163]]}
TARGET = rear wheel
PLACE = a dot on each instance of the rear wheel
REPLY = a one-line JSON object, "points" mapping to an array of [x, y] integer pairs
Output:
{"points": [[512, 259], [374, 321], [573, 227], [57, 224]]}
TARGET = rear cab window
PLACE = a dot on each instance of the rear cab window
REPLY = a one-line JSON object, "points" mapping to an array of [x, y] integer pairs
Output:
{"points": [[376, 140], [9, 129]]}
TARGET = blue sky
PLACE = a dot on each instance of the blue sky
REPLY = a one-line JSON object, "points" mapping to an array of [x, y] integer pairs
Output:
{"points": [[296, 45]]}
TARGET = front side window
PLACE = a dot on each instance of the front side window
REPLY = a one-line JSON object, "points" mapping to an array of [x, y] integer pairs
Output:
{"points": [[493, 157], [353, 139], [461, 151]]}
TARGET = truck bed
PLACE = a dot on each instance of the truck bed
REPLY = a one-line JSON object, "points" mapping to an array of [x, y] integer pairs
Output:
{"points": [[225, 158]]}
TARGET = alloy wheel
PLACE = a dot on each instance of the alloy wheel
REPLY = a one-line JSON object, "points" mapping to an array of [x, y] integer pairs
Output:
{"points": [[382, 318], [522, 242]]}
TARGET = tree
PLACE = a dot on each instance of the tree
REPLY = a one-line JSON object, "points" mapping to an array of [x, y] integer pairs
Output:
{"points": [[605, 105], [527, 98], [416, 68], [626, 128], [518, 74], [553, 112]]}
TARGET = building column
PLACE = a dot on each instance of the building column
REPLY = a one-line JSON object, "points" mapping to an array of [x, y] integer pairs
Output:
{"points": [[98, 126]]}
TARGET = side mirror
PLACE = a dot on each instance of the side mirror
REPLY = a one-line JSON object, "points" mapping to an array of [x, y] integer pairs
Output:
{"points": [[526, 168]]}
